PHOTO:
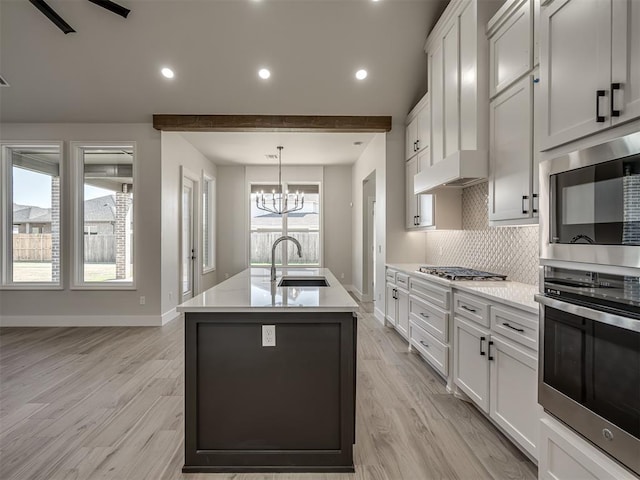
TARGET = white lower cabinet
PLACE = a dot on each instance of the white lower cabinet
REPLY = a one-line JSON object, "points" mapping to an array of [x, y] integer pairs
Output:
{"points": [[397, 307], [497, 373], [471, 364], [402, 320], [391, 306], [513, 392], [564, 455], [434, 351]]}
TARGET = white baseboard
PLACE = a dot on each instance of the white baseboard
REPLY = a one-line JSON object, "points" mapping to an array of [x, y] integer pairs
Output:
{"points": [[81, 320], [169, 316], [357, 293], [379, 314]]}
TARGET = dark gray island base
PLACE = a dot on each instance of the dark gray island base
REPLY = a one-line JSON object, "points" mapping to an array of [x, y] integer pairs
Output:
{"points": [[287, 408]]}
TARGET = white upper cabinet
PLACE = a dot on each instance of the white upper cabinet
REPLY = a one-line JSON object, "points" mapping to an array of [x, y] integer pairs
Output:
{"points": [[451, 80], [590, 67], [436, 87], [511, 157], [625, 61], [510, 34], [419, 208], [418, 132]]}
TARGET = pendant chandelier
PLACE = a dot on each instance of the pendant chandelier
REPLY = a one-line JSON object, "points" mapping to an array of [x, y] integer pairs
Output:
{"points": [[279, 201]]}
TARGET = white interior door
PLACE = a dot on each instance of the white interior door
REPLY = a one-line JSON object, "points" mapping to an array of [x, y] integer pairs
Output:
{"points": [[187, 247]]}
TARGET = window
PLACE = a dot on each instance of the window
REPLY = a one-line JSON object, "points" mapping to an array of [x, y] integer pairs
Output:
{"points": [[208, 224], [31, 214], [104, 216], [303, 225]]}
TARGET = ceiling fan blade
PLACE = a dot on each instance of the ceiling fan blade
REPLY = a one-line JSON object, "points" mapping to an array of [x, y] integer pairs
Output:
{"points": [[51, 14], [112, 7]]}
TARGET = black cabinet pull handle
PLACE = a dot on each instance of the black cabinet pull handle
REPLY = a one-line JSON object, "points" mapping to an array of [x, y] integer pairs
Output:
{"points": [[524, 202], [418, 220], [535, 206], [422, 314], [490, 343], [467, 309], [415, 146], [424, 344], [482, 352], [418, 144], [614, 87], [521, 330], [599, 93]]}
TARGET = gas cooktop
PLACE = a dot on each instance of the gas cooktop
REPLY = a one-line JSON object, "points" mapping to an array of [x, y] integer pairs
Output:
{"points": [[461, 273]]}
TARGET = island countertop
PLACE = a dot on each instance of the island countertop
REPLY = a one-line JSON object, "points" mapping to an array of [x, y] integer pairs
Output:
{"points": [[252, 290]]}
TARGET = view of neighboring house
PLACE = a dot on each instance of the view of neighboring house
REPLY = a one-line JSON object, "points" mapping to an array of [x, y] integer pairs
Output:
{"points": [[99, 215], [30, 219]]}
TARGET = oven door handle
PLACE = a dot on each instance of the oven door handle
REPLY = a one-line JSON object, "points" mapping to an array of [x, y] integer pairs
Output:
{"points": [[590, 313]]}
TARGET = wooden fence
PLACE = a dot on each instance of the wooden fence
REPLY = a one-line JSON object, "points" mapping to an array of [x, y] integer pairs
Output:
{"points": [[33, 247], [261, 243]]}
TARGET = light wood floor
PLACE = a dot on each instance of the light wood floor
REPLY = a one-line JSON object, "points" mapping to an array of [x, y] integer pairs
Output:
{"points": [[107, 403]]}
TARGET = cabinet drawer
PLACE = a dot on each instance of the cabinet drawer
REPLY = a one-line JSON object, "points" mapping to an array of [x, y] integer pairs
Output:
{"points": [[402, 280], [431, 319], [518, 326], [391, 276], [433, 351], [434, 294], [472, 308]]}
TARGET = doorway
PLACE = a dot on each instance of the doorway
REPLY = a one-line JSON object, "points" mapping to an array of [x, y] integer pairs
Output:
{"points": [[368, 237], [188, 237]]}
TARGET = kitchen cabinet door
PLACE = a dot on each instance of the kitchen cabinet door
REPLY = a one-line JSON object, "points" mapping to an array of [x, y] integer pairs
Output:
{"points": [[513, 392], [625, 61], [510, 50], [411, 168], [436, 86], [411, 139], [511, 152], [402, 320], [470, 363], [423, 129], [391, 305], [575, 65]]}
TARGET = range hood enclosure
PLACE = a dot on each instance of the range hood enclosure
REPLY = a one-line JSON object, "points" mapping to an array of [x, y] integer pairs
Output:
{"points": [[459, 169]]}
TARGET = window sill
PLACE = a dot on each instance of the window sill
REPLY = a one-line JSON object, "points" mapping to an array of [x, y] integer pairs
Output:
{"points": [[208, 270], [32, 286], [104, 287]]}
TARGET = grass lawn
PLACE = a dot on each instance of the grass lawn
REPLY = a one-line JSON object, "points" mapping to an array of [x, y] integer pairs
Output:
{"points": [[41, 272]]}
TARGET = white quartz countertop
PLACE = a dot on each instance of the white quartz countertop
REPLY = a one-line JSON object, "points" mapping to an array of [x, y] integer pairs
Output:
{"points": [[515, 294], [252, 290]]}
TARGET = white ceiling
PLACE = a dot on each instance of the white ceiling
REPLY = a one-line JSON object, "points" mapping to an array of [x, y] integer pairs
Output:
{"points": [[299, 148], [109, 70]]}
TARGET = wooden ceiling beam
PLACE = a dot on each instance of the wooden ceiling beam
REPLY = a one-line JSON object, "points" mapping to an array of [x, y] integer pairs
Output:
{"points": [[271, 123]]}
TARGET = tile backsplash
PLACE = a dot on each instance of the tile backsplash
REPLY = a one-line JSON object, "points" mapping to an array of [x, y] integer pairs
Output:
{"points": [[511, 251]]}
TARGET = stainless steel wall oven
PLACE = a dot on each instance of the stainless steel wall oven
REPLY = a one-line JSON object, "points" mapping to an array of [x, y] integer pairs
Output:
{"points": [[589, 366]]}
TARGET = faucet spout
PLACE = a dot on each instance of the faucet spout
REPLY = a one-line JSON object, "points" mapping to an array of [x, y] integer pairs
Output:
{"points": [[273, 253]]}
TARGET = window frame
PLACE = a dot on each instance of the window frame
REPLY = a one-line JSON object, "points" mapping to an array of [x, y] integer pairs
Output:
{"points": [[77, 217], [6, 216], [210, 227], [285, 226]]}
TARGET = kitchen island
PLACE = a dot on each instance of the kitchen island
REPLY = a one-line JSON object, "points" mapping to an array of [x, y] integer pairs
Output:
{"points": [[270, 375]]}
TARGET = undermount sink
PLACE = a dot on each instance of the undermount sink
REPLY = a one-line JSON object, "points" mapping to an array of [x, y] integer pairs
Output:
{"points": [[316, 281]]}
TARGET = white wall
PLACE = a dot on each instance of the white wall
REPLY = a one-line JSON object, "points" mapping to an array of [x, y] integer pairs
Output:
{"points": [[372, 159], [177, 153], [232, 223], [337, 221], [82, 307]]}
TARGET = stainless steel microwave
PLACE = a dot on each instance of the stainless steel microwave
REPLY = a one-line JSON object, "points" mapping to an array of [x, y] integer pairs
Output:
{"points": [[590, 205]]}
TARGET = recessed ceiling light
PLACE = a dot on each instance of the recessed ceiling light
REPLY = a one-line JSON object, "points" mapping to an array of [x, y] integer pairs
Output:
{"points": [[264, 73], [361, 74], [357, 144], [167, 72]]}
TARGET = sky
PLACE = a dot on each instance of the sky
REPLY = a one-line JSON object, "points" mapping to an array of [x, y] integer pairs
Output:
{"points": [[34, 189]]}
